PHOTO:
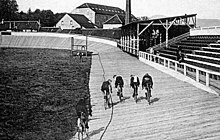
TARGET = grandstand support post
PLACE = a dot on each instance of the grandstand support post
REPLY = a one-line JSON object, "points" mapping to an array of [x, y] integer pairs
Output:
{"points": [[86, 45], [207, 79], [167, 33], [197, 75], [138, 30], [167, 27], [160, 39], [72, 45]]}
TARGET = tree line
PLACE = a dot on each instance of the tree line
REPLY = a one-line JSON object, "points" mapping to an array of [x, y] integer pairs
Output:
{"points": [[9, 11]]}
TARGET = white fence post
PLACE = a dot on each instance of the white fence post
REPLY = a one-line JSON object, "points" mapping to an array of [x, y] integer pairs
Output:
{"points": [[207, 79], [168, 63], [184, 69], [175, 66]]}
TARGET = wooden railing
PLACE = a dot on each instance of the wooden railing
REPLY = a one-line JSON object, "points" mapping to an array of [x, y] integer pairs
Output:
{"points": [[200, 75]]}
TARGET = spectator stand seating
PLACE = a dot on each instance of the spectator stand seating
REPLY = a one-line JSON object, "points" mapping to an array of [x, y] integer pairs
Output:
{"points": [[202, 51]]}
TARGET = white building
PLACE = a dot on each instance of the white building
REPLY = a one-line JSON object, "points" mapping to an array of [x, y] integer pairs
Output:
{"points": [[74, 21]]}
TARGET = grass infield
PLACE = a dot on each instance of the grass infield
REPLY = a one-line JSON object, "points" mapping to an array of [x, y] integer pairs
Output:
{"points": [[39, 91]]}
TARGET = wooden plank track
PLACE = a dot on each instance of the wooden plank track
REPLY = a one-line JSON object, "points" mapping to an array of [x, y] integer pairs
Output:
{"points": [[179, 110]]}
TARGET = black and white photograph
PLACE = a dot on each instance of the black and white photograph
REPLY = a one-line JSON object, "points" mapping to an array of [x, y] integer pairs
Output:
{"points": [[110, 69]]}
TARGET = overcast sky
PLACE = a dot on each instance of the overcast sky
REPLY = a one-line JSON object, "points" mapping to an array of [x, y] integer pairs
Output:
{"points": [[209, 9]]}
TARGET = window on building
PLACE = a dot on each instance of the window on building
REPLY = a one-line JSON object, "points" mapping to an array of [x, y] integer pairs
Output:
{"points": [[71, 22]]}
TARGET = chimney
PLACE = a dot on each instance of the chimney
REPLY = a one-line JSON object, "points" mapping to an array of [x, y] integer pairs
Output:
{"points": [[128, 12]]}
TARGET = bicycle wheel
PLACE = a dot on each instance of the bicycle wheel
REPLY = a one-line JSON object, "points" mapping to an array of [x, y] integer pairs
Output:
{"points": [[109, 103], [120, 96], [148, 94], [105, 99], [136, 93], [135, 98]]}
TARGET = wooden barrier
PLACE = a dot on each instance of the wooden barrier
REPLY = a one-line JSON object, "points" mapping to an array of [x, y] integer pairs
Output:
{"points": [[79, 47]]}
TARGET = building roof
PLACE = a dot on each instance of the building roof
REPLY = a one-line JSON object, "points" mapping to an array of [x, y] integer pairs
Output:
{"points": [[116, 19], [82, 20], [119, 19], [102, 9]]}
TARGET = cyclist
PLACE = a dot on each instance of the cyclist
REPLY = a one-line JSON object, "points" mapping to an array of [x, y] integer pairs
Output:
{"points": [[106, 88], [119, 83], [134, 83], [147, 84], [82, 124], [83, 109]]}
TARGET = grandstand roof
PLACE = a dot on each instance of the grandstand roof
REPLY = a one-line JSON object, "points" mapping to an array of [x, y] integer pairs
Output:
{"points": [[102, 9], [82, 20], [163, 20]]}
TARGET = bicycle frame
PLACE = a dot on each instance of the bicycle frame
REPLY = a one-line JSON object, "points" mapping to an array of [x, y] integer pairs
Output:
{"points": [[107, 99], [135, 92]]}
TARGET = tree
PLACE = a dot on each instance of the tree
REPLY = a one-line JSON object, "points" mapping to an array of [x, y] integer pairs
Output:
{"points": [[9, 9], [47, 18], [36, 14], [30, 15], [22, 16]]}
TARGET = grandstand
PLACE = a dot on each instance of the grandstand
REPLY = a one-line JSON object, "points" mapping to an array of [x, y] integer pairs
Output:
{"points": [[167, 36], [201, 51]]}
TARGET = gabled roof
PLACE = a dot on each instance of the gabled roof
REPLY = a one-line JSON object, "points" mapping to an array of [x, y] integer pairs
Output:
{"points": [[102, 9], [82, 20], [119, 19], [59, 16], [116, 19]]}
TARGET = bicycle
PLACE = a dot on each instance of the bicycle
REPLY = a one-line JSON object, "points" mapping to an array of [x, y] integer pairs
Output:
{"points": [[107, 101], [119, 92], [135, 94], [148, 92]]}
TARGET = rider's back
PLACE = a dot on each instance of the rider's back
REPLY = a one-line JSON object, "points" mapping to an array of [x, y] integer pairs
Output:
{"points": [[119, 81], [147, 80], [134, 81], [105, 86]]}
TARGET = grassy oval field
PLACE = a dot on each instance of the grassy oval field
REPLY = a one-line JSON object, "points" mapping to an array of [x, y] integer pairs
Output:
{"points": [[39, 90]]}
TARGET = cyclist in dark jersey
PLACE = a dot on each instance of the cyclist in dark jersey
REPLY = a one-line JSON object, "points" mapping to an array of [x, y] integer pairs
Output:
{"points": [[106, 88], [119, 84], [147, 84]]}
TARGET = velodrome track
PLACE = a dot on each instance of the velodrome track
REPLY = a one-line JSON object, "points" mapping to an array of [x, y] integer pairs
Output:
{"points": [[179, 111]]}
